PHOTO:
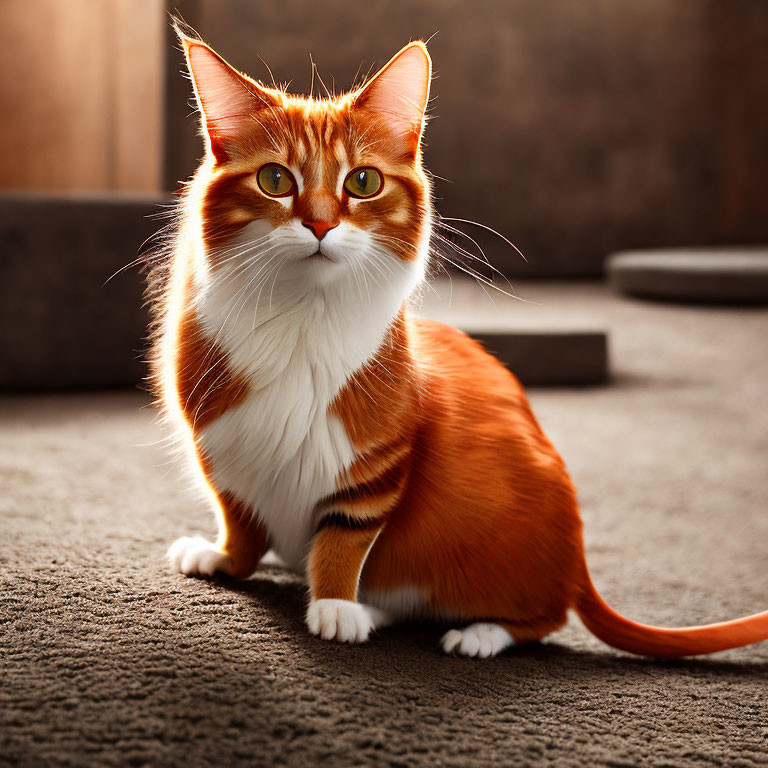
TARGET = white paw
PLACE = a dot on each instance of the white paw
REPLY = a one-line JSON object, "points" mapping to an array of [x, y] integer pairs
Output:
{"points": [[480, 640], [272, 560], [194, 556], [340, 620]]}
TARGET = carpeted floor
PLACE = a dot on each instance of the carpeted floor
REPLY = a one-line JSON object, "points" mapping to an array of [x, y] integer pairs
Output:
{"points": [[109, 659]]}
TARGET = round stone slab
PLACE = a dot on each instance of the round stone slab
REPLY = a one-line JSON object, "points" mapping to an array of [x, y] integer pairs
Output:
{"points": [[713, 275]]}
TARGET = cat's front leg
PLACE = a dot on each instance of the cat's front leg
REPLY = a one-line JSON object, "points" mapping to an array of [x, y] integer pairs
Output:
{"points": [[241, 542], [336, 559]]}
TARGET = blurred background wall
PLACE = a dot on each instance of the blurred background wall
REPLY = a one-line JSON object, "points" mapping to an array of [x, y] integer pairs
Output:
{"points": [[574, 127], [82, 94]]}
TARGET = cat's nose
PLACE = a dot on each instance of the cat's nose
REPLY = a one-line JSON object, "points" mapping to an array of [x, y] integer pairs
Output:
{"points": [[320, 228]]}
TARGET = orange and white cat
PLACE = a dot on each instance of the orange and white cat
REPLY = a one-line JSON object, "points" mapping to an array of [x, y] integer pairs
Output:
{"points": [[390, 456]]}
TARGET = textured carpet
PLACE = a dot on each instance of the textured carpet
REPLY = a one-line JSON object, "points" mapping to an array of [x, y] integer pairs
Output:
{"points": [[109, 659]]}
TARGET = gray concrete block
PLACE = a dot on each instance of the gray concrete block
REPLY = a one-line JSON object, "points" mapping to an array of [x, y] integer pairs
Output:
{"points": [[737, 275], [61, 327], [550, 357]]}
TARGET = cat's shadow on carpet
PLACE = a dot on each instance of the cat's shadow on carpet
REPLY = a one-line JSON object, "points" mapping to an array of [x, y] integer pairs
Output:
{"points": [[414, 647]]}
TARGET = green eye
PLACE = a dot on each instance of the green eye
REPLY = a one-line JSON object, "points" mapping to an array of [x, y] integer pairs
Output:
{"points": [[274, 180], [364, 182]]}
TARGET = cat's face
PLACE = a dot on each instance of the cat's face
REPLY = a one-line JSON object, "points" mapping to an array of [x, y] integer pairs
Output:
{"points": [[312, 190]]}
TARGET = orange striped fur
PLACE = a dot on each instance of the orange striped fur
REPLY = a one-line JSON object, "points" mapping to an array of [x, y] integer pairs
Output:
{"points": [[391, 456]]}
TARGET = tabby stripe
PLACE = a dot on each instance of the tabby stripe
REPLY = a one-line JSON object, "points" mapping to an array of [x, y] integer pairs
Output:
{"points": [[344, 521], [368, 468], [388, 482]]}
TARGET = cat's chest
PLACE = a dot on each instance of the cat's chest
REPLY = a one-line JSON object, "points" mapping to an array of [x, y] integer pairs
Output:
{"points": [[280, 455], [280, 450]]}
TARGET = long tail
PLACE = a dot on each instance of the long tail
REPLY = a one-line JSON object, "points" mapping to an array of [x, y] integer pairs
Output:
{"points": [[662, 642]]}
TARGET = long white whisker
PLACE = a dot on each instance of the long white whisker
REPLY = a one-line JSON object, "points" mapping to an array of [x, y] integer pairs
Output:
{"points": [[488, 229]]}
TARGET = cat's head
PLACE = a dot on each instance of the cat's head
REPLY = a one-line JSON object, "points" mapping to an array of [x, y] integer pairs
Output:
{"points": [[325, 189]]}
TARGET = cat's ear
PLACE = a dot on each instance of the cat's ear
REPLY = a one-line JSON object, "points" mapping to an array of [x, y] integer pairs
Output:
{"points": [[399, 93], [227, 99]]}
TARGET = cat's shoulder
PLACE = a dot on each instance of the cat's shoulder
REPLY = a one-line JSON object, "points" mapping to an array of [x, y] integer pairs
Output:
{"points": [[446, 351]]}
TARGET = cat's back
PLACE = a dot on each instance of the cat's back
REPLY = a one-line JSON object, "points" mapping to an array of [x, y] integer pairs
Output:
{"points": [[472, 398], [464, 364]]}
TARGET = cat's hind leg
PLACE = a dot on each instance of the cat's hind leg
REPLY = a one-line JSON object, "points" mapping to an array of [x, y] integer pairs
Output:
{"points": [[480, 640], [240, 545], [484, 639]]}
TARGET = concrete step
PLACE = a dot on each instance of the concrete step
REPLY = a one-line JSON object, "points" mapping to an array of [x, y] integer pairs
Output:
{"points": [[737, 275], [62, 328], [550, 357], [543, 344]]}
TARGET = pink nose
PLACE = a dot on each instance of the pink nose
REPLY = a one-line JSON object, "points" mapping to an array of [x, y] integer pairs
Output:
{"points": [[319, 227]]}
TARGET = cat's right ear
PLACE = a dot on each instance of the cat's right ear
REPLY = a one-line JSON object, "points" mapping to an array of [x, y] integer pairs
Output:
{"points": [[227, 99]]}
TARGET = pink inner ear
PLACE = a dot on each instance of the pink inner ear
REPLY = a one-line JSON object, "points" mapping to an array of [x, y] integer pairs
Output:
{"points": [[401, 90]]}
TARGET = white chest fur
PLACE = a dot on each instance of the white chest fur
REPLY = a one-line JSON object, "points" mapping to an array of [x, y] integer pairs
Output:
{"points": [[280, 451]]}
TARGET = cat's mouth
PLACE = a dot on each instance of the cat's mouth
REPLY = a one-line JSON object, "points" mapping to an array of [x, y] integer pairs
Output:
{"points": [[318, 255]]}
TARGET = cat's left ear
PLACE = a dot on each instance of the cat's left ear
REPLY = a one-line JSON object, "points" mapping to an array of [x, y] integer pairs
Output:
{"points": [[228, 100], [399, 93]]}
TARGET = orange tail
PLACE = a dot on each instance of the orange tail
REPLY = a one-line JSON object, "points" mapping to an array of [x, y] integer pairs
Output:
{"points": [[662, 642]]}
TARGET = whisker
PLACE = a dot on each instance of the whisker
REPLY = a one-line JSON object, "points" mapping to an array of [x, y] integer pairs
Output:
{"points": [[488, 229], [479, 278], [472, 256], [273, 284]]}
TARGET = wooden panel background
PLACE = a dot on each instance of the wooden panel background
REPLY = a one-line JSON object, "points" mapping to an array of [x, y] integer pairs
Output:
{"points": [[82, 94]]}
